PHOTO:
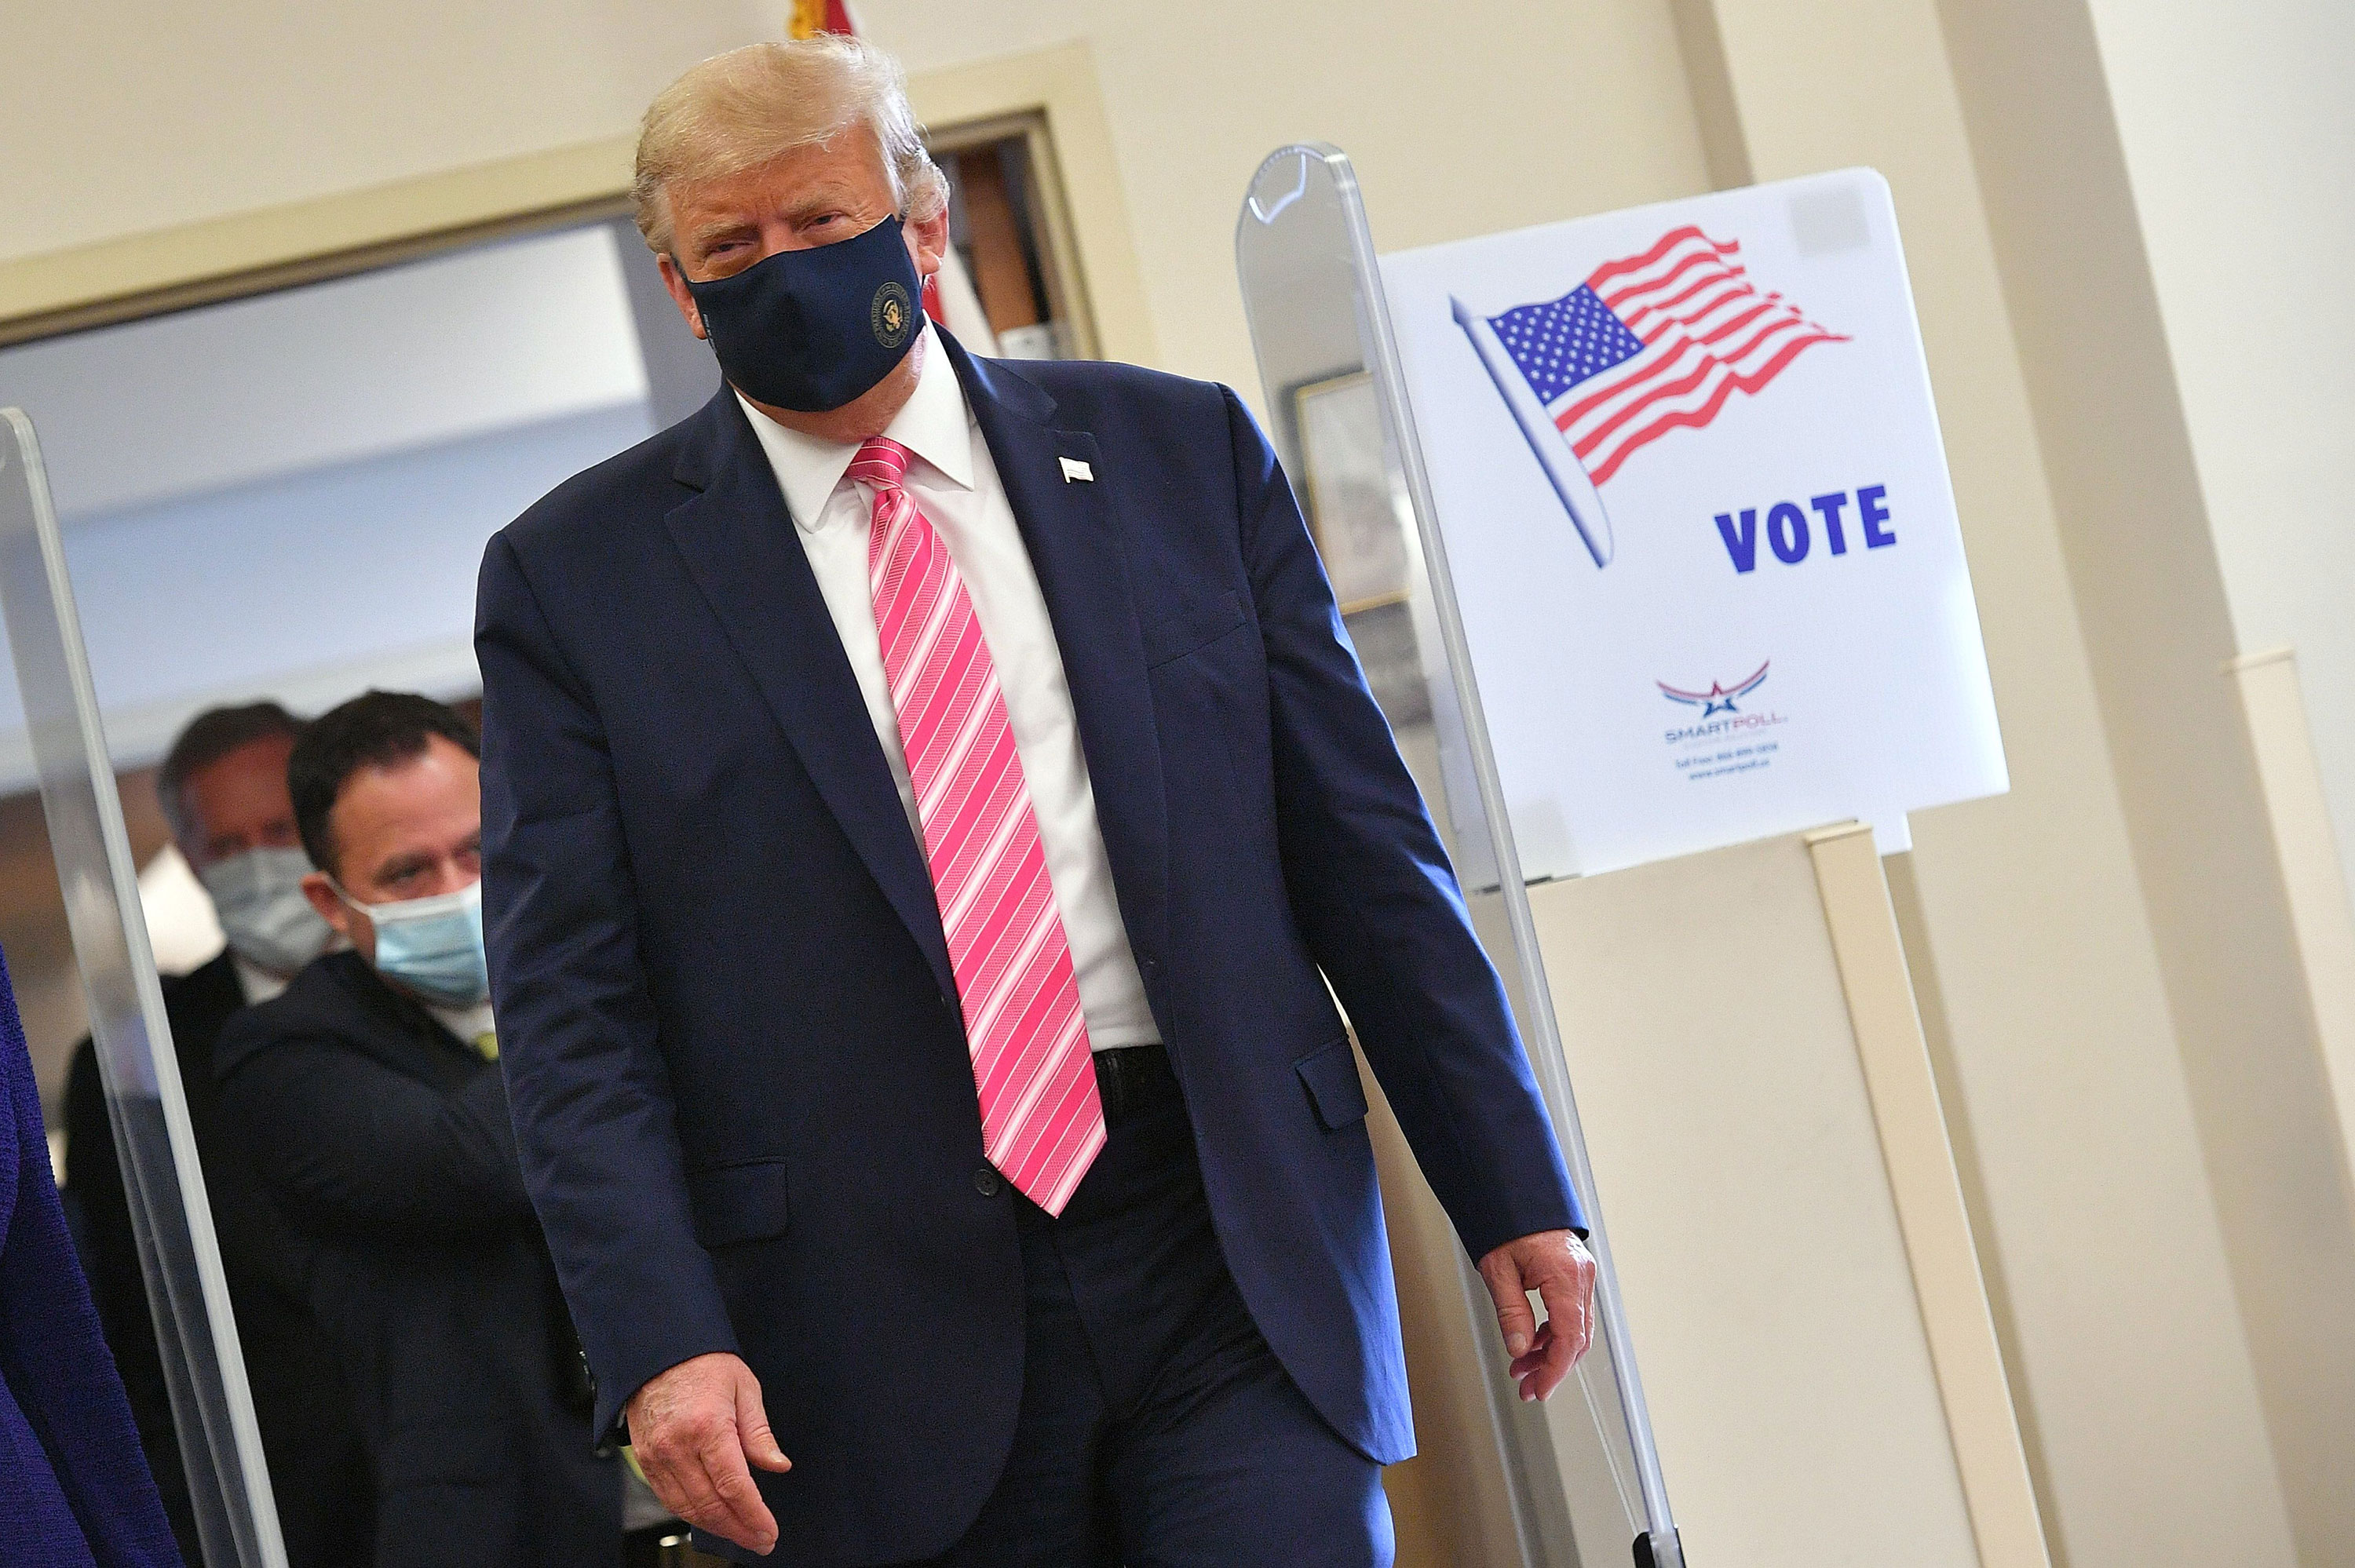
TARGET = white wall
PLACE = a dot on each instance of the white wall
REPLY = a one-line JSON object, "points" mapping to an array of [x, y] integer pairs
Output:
{"points": [[512, 333], [288, 496], [308, 588]]}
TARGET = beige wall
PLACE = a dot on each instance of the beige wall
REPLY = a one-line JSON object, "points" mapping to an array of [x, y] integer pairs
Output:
{"points": [[2236, 126], [2045, 996], [126, 118], [2046, 926], [141, 115], [2145, 548], [1793, 1384], [1451, 137]]}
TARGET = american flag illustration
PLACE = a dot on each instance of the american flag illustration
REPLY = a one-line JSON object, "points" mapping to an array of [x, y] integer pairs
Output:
{"points": [[1648, 343], [1652, 343]]}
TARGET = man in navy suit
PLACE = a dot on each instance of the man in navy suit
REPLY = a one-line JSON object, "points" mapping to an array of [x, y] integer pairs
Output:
{"points": [[926, 799]]}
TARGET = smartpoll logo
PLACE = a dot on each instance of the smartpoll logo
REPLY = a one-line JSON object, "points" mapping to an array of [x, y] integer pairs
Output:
{"points": [[1718, 699], [1726, 738]]}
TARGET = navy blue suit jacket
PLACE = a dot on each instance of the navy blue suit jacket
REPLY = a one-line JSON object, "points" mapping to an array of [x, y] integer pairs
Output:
{"points": [[74, 1488], [387, 1145], [727, 1014]]}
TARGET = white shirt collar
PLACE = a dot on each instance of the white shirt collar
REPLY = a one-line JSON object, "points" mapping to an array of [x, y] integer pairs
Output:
{"points": [[258, 983], [468, 1024], [935, 424]]}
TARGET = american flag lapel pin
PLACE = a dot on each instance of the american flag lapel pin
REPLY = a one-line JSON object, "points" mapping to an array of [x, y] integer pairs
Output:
{"points": [[1073, 468]]}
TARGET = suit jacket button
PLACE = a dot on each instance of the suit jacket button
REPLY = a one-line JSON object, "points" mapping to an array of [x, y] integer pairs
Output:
{"points": [[984, 1182]]}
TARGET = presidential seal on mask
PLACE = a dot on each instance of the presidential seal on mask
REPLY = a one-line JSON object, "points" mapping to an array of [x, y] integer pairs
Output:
{"points": [[812, 330]]}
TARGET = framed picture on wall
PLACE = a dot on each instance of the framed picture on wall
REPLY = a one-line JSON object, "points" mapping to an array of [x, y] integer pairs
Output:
{"points": [[1357, 518]]}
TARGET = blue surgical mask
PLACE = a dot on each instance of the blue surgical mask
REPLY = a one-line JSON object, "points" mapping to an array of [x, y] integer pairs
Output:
{"points": [[813, 330], [259, 898], [432, 946]]}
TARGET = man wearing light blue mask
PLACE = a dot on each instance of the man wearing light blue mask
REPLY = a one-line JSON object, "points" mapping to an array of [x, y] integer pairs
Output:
{"points": [[392, 1155], [222, 789]]}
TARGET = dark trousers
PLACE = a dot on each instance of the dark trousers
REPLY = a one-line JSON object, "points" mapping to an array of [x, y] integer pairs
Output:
{"points": [[1157, 1430]]}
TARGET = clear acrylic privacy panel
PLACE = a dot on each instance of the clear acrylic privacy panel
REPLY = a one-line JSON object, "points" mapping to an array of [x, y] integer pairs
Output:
{"points": [[1581, 1470], [188, 1293]]}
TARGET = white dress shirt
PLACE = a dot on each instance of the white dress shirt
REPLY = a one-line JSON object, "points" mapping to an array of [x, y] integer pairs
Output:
{"points": [[957, 486], [469, 1025], [258, 983]]}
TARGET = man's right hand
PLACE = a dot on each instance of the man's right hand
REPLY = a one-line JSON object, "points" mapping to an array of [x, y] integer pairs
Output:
{"points": [[692, 1428]]}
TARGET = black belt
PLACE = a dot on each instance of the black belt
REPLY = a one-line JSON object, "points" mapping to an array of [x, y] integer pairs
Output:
{"points": [[1131, 1078]]}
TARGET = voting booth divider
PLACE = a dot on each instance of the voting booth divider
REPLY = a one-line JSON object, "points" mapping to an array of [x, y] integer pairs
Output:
{"points": [[187, 1291], [1797, 1363]]}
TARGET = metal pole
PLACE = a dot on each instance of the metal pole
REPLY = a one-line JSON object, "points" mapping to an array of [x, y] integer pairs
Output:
{"points": [[1542, 1033]]}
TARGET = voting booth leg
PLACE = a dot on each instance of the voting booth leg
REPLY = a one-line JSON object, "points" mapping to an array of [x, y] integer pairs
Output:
{"points": [[188, 1293], [1586, 1490], [1819, 1345], [1646, 1558]]}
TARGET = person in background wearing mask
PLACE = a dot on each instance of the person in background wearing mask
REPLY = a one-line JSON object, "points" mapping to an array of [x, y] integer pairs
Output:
{"points": [[391, 1151], [222, 786]]}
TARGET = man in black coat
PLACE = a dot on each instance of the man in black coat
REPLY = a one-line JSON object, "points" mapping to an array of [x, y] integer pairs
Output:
{"points": [[223, 789], [391, 1151]]}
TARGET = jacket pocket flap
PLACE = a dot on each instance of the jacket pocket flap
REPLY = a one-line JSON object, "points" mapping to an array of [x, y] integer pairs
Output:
{"points": [[740, 1203], [1196, 626], [1331, 1074]]}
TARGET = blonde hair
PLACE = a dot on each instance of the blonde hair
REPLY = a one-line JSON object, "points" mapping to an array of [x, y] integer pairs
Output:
{"points": [[741, 109]]}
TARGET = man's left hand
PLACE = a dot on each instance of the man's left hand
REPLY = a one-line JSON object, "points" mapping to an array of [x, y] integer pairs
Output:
{"points": [[1557, 1266]]}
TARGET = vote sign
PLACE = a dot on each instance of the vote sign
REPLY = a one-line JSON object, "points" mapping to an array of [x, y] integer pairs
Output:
{"points": [[1689, 478]]}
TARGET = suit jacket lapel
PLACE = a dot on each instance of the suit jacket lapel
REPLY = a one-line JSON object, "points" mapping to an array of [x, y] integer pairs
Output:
{"points": [[1072, 531], [740, 548]]}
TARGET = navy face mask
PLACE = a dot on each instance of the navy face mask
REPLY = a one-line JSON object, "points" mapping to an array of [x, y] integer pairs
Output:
{"points": [[811, 330]]}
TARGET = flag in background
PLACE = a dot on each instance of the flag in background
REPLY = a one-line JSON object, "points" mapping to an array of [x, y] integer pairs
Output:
{"points": [[811, 16], [1650, 343], [949, 297]]}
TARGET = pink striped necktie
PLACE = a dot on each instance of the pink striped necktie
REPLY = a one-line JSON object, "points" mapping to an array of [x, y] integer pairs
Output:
{"points": [[1041, 1122]]}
